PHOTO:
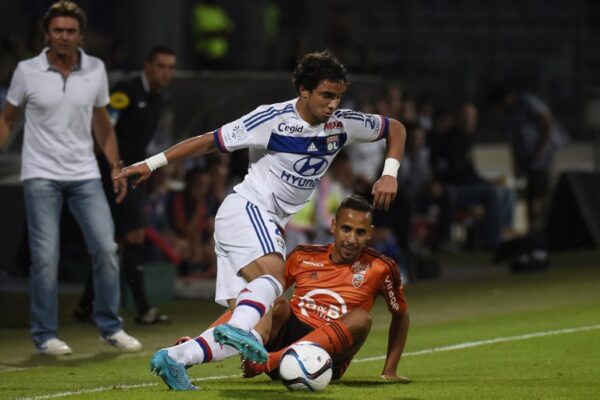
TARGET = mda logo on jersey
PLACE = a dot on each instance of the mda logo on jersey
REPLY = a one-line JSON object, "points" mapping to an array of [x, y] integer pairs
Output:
{"points": [[333, 125]]}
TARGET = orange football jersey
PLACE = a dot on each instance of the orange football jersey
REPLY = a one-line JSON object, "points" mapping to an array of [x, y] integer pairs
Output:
{"points": [[325, 290]]}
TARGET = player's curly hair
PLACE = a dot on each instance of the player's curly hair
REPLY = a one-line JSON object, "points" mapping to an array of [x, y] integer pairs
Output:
{"points": [[65, 8], [317, 67]]}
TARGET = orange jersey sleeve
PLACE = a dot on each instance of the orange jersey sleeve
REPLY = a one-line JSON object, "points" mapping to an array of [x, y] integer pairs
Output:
{"points": [[390, 282], [325, 291]]}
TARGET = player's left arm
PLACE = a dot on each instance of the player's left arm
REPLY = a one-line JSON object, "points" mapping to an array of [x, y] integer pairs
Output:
{"points": [[107, 141], [393, 292], [397, 335], [385, 188]]}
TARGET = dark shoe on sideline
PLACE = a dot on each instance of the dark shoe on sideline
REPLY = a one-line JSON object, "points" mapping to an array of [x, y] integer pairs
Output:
{"points": [[151, 317]]}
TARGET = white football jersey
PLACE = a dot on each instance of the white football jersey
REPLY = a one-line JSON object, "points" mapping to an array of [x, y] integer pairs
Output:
{"points": [[287, 156]]}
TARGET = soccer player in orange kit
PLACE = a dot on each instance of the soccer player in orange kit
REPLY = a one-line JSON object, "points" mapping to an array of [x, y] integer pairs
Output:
{"points": [[335, 288]]}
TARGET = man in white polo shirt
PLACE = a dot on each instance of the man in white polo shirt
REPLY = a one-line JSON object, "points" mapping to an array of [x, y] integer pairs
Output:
{"points": [[65, 93]]}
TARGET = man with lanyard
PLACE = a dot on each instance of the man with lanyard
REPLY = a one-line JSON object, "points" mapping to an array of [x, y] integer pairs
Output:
{"points": [[135, 109]]}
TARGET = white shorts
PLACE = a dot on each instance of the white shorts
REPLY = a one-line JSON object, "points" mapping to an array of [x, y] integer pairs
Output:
{"points": [[244, 232]]}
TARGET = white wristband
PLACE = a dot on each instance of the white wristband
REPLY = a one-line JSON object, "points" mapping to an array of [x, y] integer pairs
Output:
{"points": [[156, 161], [391, 167]]}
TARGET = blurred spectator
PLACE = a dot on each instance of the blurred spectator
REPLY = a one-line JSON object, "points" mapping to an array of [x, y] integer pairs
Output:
{"points": [[468, 123], [218, 168], [302, 226], [452, 162], [409, 113], [367, 158], [135, 109], [395, 100], [162, 241], [427, 200], [190, 219], [425, 112], [535, 137]]}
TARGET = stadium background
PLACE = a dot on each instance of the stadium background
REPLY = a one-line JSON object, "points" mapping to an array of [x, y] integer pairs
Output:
{"points": [[445, 52]]}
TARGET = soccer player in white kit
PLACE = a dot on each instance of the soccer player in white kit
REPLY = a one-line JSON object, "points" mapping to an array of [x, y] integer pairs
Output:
{"points": [[291, 145]]}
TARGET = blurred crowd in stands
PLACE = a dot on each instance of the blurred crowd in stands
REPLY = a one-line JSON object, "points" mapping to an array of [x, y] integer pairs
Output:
{"points": [[442, 194], [444, 202]]}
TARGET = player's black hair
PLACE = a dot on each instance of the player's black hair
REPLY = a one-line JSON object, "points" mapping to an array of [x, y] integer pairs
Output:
{"points": [[355, 202], [317, 67], [65, 8], [158, 49]]}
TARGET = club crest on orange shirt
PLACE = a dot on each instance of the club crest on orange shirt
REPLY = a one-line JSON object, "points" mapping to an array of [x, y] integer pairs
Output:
{"points": [[358, 279], [359, 270]]}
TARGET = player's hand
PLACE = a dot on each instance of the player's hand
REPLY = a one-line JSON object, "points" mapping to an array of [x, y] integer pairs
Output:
{"points": [[395, 378], [119, 185], [140, 169], [384, 192]]}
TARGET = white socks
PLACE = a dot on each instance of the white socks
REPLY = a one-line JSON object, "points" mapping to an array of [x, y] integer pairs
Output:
{"points": [[203, 349], [254, 301]]}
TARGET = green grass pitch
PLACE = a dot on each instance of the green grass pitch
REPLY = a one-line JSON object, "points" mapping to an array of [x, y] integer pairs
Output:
{"points": [[484, 336]]}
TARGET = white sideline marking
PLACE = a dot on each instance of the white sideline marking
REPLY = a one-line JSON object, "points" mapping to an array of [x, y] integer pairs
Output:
{"points": [[459, 346], [120, 387], [467, 345]]}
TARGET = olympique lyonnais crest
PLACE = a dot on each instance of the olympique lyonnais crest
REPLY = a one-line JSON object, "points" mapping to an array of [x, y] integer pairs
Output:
{"points": [[333, 142]]}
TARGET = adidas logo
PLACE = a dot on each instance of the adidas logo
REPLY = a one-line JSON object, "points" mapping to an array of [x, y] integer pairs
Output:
{"points": [[312, 147]]}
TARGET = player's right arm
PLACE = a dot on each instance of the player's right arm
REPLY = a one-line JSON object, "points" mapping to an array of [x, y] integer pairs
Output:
{"points": [[241, 133], [7, 120], [195, 146]]}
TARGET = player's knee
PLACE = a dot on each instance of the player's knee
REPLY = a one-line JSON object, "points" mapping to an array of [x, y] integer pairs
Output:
{"points": [[269, 264]]}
